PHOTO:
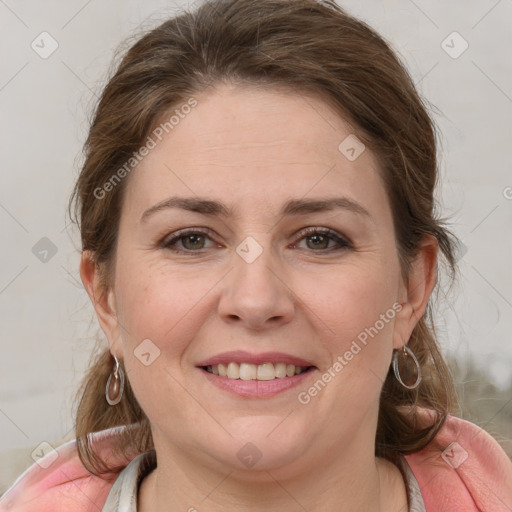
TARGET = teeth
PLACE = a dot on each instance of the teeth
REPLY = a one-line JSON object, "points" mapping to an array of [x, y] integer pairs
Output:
{"points": [[280, 369], [248, 371], [233, 371], [222, 370], [266, 372]]}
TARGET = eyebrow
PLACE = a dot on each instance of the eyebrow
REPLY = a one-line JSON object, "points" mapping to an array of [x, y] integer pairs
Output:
{"points": [[292, 207]]}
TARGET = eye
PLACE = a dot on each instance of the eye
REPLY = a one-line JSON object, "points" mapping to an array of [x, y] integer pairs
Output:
{"points": [[318, 239], [189, 240]]}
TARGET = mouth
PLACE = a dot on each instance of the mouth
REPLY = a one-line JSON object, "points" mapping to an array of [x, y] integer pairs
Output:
{"points": [[260, 372], [256, 376]]}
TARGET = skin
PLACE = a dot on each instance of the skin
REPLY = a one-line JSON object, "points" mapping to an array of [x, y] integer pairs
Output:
{"points": [[253, 150]]}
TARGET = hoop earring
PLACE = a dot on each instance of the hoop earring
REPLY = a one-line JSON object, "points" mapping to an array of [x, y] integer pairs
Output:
{"points": [[115, 384], [411, 375]]}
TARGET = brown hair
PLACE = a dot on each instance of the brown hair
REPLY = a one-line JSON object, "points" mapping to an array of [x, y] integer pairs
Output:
{"points": [[307, 46]]}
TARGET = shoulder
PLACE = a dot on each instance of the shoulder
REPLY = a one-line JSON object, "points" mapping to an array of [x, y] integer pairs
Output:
{"points": [[59, 481], [463, 469]]}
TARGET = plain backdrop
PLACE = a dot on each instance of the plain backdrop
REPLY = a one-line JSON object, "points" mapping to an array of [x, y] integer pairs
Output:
{"points": [[47, 323]]}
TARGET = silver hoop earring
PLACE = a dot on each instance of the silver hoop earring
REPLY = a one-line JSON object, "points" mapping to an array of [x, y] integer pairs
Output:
{"points": [[407, 373], [115, 384]]}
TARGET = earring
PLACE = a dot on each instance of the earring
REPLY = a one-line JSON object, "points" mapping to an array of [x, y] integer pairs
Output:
{"points": [[406, 373], [115, 384]]}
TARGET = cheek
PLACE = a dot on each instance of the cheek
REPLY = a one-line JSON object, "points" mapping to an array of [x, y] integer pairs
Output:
{"points": [[352, 300], [159, 313], [164, 305], [357, 310]]}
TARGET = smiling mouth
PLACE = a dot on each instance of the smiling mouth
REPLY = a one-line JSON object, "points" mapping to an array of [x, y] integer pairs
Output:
{"points": [[257, 372]]}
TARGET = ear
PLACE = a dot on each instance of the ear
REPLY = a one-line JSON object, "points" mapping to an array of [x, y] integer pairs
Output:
{"points": [[416, 293], [102, 298]]}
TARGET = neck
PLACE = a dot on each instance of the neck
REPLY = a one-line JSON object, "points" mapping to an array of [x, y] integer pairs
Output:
{"points": [[350, 483]]}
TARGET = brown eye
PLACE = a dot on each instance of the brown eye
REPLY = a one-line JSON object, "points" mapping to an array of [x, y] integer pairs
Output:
{"points": [[194, 241], [187, 242], [318, 241], [323, 240]]}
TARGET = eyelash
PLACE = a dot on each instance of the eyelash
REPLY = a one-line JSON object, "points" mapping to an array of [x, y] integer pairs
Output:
{"points": [[343, 242]]}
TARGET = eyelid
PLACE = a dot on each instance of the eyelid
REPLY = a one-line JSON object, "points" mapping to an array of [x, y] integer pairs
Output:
{"points": [[176, 235], [187, 231], [342, 240]]}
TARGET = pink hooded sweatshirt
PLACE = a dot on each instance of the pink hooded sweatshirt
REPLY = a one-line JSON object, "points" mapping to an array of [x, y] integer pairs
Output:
{"points": [[471, 473]]}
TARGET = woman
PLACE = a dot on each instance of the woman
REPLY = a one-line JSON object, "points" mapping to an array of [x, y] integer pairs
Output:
{"points": [[260, 246]]}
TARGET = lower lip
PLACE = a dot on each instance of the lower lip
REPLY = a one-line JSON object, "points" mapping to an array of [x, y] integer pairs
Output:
{"points": [[257, 388]]}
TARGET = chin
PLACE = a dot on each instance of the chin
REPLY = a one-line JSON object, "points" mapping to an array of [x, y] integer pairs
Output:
{"points": [[264, 443]]}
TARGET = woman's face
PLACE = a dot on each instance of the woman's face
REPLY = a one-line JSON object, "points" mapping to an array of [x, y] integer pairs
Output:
{"points": [[218, 261]]}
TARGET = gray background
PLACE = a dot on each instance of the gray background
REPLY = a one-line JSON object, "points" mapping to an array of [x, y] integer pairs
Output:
{"points": [[47, 324]]}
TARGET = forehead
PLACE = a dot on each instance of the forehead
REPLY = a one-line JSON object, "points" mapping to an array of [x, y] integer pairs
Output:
{"points": [[253, 147]]}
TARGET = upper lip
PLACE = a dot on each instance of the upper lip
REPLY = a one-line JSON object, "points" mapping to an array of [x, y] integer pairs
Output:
{"points": [[241, 356]]}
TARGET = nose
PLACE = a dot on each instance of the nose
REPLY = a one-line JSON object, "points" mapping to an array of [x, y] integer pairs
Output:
{"points": [[256, 293]]}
